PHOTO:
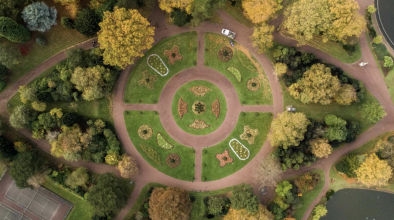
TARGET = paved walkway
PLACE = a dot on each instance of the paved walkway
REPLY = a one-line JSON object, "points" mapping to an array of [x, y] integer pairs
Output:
{"points": [[369, 75]]}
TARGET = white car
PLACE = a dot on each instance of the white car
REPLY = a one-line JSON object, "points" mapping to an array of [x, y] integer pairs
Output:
{"points": [[228, 33]]}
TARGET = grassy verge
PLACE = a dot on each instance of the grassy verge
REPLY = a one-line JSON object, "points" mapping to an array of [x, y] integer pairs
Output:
{"points": [[58, 38], [81, 208], [336, 50], [208, 116], [150, 149], [144, 85], [389, 79], [317, 111], [307, 198], [245, 64], [210, 165]]}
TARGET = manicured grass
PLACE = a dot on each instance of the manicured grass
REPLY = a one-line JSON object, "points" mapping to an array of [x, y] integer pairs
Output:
{"points": [[207, 116], [3, 168], [58, 38], [137, 93], [246, 65], [156, 155], [81, 210], [307, 198], [210, 165], [317, 111], [389, 79], [336, 50]]}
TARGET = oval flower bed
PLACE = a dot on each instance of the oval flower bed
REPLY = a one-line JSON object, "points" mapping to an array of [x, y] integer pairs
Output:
{"points": [[239, 149], [156, 64]]}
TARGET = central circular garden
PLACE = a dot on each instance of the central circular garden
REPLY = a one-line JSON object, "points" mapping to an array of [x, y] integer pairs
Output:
{"points": [[199, 107]]}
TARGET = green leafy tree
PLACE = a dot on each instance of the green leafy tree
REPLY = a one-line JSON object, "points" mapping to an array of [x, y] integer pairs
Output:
{"points": [[346, 95], [372, 111], [217, 205], [7, 150], [11, 8], [9, 56], [374, 171], [25, 165], [262, 37], [87, 22], [124, 36], [94, 82], [378, 39], [13, 31], [319, 211], [39, 17], [244, 199], [169, 203], [349, 165], [108, 195], [336, 128], [317, 85], [288, 129], [179, 17], [79, 177], [21, 117], [283, 189], [388, 62]]}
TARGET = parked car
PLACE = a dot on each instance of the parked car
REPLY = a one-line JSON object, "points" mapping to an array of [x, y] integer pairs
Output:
{"points": [[228, 33]]}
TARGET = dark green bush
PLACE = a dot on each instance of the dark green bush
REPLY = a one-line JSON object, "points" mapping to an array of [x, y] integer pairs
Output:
{"points": [[13, 31]]}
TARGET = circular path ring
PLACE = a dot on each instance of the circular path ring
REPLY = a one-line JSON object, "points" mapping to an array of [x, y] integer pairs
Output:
{"points": [[214, 77]]}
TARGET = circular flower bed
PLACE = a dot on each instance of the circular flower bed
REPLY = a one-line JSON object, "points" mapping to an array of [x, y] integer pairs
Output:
{"points": [[198, 107], [253, 84], [173, 160], [225, 54], [145, 132]]}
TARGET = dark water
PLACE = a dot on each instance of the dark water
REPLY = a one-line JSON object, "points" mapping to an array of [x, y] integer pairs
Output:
{"points": [[360, 204], [385, 17]]}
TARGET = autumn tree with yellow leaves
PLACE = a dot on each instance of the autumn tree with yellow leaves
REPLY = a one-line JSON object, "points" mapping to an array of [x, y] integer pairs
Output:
{"points": [[374, 171], [320, 147], [124, 36], [127, 167], [262, 37], [260, 11], [169, 5]]}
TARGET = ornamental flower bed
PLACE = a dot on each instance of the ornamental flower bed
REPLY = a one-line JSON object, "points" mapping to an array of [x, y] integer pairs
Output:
{"points": [[163, 143], [156, 64], [224, 158], [235, 73], [239, 149], [173, 160]]}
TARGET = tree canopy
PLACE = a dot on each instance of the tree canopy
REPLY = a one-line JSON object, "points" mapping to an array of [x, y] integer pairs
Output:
{"points": [[169, 203], [288, 129], [124, 35], [374, 171], [262, 37], [169, 5], [320, 147], [12, 31], [260, 11], [39, 17], [25, 165], [337, 20], [317, 85], [242, 214]]}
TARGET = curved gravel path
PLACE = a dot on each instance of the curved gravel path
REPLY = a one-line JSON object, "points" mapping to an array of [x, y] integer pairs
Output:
{"points": [[369, 75]]}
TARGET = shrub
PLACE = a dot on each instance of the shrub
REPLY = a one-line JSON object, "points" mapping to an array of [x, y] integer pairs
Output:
{"points": [[12, 31], [348, 165], [39, 17], [87, 21], [217, 205], [180, 17], [41, 40], [67, 22]]}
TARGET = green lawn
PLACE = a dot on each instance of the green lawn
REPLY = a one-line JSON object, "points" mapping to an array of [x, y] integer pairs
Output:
{"points": [[336, 50], [208, 116], [150, 149], [307, 198], [212, 170], [245, 64], [81, 210], [389, 79], [142, 76], [317, 111], [58, 38]]}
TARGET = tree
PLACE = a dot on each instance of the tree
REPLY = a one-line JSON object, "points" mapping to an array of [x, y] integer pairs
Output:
{"points": [[260, 11], [378, 39], [243, 214], [262, 37], [283, 189], [336, 128], [372, 111], [169, 203], [39, 106], [87, 22], [388, 62], [317, 85], [9, 56], [280, 68], [319, 211], [306, 182], [7, 150], [94, 82], [39, 17], [288, 129], [268, 172], [124, 35], [79, 177], [244, 199], [349, 165], [13, 31], [71, 6], [127, 167], [25, 165], [346, 95], [108, 194], [374, 171], [371, 9], [169, 5], [11, 8], [179, 17], [335, 20], [21, 117], [320, 147], [217, 205]]}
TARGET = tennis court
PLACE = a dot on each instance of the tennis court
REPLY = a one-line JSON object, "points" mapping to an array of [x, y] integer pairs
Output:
{"points": [[32, 204]]}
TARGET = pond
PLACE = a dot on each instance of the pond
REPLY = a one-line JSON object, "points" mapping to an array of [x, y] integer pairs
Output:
{"points": [[385, 17], [360, 204]]}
